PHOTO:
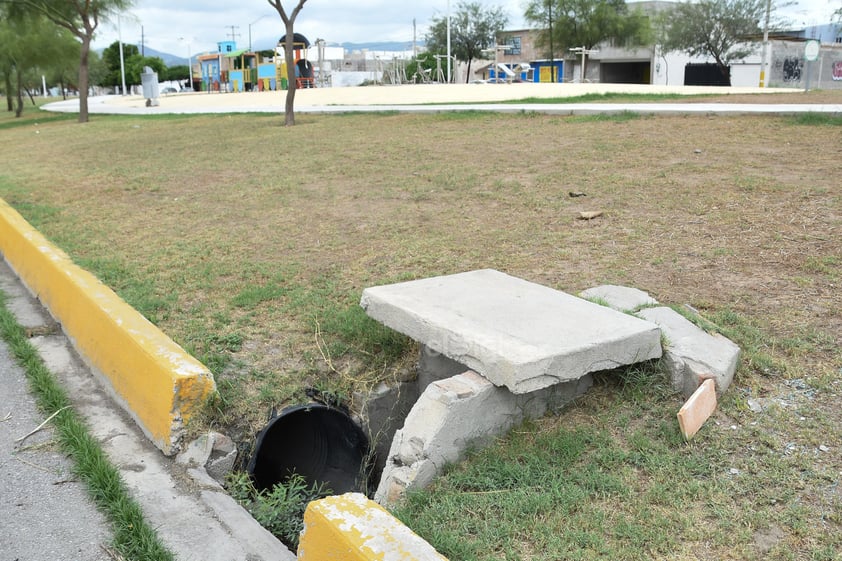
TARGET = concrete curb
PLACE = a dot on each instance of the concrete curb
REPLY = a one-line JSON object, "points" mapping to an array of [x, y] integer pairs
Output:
{"points": [[151, 377], [353, 528]]}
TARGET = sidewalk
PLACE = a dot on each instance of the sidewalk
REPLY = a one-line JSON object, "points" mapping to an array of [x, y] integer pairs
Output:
{"points": [[440, 98]]}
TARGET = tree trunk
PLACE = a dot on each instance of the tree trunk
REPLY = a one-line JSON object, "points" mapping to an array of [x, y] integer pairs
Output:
{"points": [[289, 57], [468, 74], [9, 104], [83, 78], [19, 95]]}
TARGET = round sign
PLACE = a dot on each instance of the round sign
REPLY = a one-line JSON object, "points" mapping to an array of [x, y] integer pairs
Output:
{"points": [[811, 50]]}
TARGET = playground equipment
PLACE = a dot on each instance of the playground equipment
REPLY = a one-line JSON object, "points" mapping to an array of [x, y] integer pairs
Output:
{"points": [[304, 74]]}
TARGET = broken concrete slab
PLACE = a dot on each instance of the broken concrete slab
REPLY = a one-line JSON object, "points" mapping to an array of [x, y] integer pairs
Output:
{"points": [[697, 409], [621, 298], [693, 355], [453, 414], [516, 333]]}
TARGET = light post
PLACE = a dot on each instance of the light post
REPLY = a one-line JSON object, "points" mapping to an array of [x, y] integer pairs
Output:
{"points": [[252, 23], [189, 63], [122, 62], [448, 41]]}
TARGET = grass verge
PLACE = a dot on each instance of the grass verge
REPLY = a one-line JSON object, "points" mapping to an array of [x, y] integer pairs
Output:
{"points": [[133, 537]]}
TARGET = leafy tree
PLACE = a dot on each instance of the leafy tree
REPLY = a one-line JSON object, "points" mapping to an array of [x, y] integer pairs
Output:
{"points": [[81, 18], [289, 56], [177, 72], [586, 23], [422, 65], [136, 63], [30, 47], [719, 29], [473, 28], [111, 58]]}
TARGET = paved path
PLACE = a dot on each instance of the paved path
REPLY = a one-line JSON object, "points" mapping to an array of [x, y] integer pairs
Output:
{"points": [[47, 513], [441, 98]]}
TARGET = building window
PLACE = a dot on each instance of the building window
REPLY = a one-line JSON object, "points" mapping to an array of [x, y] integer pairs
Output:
{"points": [[514, 42]]}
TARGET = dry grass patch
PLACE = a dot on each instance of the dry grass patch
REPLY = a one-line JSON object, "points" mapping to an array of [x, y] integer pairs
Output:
{"points": [[250, 243]]}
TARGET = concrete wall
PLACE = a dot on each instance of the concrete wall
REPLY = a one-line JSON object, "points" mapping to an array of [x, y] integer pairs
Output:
{"points": [[789, 69]]}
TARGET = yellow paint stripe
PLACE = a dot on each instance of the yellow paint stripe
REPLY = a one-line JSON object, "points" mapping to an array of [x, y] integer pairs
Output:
{"points": [[350, 527], [158, 383]]}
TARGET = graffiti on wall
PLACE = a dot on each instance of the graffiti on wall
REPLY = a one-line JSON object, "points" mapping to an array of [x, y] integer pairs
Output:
{"points": [[792, 69], [837, 70]]}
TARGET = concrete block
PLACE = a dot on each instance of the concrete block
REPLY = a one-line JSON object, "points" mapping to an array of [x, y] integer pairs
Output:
{"points": [[516, 333], [454, 414], [621, 298], [213, 452], [157, 383], [352, 528], [691, 354], [697, 409]]}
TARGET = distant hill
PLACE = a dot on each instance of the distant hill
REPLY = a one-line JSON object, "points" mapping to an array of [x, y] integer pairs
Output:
{"points": [[169, 60]]}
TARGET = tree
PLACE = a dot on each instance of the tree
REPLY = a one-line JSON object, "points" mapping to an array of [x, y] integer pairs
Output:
{"points": [[724, 30], [473, 29], [81, 18], [586, 23], [111, 58], [289, 21], [30, 47]]}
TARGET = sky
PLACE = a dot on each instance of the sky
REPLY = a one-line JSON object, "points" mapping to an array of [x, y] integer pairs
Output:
{"points": [[174, 26]]}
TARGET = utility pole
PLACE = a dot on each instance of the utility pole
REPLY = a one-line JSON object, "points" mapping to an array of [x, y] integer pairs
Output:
{"points": [[765, 49], [585, 51], [414, 40], [142, 42], [552, 62], [233, 33]]}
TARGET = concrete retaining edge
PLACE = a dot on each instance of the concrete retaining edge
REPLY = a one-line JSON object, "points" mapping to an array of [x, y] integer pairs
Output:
{"points": [[158, 383], [353, 528]]}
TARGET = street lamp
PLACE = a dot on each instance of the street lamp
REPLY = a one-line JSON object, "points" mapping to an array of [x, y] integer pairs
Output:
{"points": [[252, 23], [448, 41], [122, 62], [189, 63]]}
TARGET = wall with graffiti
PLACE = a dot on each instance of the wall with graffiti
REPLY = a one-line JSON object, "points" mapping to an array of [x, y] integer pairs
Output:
{"points": [[790, 70]]}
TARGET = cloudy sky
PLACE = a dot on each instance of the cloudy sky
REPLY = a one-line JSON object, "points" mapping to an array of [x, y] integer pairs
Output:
{"points": [[171, 25]]}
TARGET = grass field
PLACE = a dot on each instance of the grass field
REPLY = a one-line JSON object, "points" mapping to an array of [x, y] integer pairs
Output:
{"points": [[250, 243]]}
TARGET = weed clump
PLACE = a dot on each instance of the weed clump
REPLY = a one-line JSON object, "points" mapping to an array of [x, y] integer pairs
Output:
{"points": [[281, 509]]}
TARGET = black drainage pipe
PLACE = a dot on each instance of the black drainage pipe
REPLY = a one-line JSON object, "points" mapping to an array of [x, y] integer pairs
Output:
{"points": [[320, 443]]}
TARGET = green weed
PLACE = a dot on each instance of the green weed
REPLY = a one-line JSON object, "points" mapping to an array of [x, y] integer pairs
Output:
{"points": [[281, 509]]}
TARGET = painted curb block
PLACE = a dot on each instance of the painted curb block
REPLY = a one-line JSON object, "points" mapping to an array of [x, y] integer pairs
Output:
{"points": [[158, 383], [351, 527]]}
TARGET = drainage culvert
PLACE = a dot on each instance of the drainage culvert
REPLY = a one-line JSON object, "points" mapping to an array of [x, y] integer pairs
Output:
{"points": [[320, 443]]}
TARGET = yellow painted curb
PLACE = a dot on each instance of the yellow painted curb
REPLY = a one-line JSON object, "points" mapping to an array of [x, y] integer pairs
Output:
{"points": [[154, 379], [350, 527]]}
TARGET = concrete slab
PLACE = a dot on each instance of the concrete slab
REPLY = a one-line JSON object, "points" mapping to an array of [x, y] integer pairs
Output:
{"points": [[516, 333], [453, 414], [621, 298], [691, 354]]}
